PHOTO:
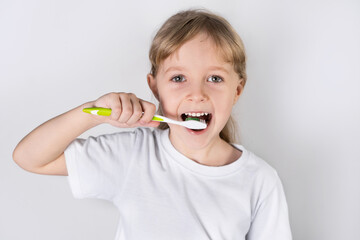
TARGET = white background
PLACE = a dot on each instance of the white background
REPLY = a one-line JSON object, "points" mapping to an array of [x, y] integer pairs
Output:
{"points": [[300, 110]]}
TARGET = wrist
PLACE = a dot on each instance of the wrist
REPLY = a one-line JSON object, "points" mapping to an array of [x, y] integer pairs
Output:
{"points": [[87, 119]]}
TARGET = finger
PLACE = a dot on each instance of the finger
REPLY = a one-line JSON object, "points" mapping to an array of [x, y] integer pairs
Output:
{"points": [[151, 124], [149, 110], [127, 108], [137, 110], [116, 106]]}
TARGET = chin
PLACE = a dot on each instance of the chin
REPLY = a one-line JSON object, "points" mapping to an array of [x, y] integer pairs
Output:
{"points": [[193, 139]]}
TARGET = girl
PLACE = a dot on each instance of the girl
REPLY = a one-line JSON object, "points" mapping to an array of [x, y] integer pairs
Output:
{"points": [[171, 182]]}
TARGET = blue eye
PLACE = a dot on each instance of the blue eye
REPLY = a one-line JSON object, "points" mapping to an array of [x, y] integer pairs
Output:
{"points": [[215, 79], [178, 78]]}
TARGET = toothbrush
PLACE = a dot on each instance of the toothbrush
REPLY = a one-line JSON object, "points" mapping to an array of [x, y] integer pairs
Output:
{"points": [[191, 123]]}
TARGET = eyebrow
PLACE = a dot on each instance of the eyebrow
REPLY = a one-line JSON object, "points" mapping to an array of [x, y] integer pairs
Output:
{"points": [[219, 69], [174, 69], [178, 68]]}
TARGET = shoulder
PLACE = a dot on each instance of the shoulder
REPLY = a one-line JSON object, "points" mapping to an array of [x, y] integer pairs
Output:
{"points": [[263, 176], [260, 167], [254, 165], [138, 138], [129, 134], [123, 139]]}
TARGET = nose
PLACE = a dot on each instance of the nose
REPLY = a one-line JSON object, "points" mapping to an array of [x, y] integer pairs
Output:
{"points": [[197, 93]]}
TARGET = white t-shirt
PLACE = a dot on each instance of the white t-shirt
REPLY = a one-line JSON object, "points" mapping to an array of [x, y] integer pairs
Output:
{"points": [[161, 194]]}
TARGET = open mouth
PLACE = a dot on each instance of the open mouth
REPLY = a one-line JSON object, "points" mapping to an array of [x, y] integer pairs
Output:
{"points": [[197, 116]]}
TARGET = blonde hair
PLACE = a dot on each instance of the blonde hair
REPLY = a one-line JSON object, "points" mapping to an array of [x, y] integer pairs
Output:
{"points": [[185, 25]]}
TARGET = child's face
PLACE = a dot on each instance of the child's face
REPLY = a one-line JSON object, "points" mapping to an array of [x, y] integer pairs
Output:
{"points": [[196, 79]]}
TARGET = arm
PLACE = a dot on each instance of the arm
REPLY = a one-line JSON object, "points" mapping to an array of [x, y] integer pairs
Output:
{"points": [[271, 220], [42, 150]]}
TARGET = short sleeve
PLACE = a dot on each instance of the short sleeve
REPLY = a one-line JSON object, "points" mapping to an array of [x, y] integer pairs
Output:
{"points": [[271, 220], [97, 166]]}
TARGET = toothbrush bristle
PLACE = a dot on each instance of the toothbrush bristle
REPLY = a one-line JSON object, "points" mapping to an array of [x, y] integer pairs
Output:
{"points": [[196, 124], [192, 118]]}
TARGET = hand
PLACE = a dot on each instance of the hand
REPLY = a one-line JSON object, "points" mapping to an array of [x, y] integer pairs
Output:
{"points": [[128, 111]]}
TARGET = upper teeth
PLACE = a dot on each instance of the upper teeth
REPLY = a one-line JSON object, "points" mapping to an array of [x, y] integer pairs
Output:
{"points": [[196, 114]]}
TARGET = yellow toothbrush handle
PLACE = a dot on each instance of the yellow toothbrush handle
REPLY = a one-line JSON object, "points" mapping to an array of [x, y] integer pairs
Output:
{"points": [[98, 111], [107, 112]]}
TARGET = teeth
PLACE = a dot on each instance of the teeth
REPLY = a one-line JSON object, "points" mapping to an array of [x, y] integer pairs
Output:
{"points": [[196, 114]]}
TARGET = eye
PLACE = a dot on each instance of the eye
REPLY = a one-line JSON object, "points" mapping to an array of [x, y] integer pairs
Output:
{"points": [[215, 79], [178, 78]]}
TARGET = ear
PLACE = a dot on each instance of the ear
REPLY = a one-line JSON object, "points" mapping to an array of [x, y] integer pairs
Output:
{"points": [[239, 89], [153, 86]]}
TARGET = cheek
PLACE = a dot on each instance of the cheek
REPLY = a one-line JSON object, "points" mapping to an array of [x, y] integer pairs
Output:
{"points": [[224, 104], [170, 100], [225, 107], [169, 105]]}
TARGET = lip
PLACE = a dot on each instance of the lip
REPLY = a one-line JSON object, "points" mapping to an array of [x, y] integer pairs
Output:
{"points": [[197, 111], [192, 132], [199, 132], [183, 116]]}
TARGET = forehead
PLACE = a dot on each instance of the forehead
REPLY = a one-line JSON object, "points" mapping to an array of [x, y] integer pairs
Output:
{"points": [[199, 52]]}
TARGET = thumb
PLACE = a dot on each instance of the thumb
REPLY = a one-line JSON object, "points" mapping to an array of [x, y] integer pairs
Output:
{"points": [[151, 124]]}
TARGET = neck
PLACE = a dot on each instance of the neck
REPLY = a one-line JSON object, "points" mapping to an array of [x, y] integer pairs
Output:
{"points": [[215, 153]]}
